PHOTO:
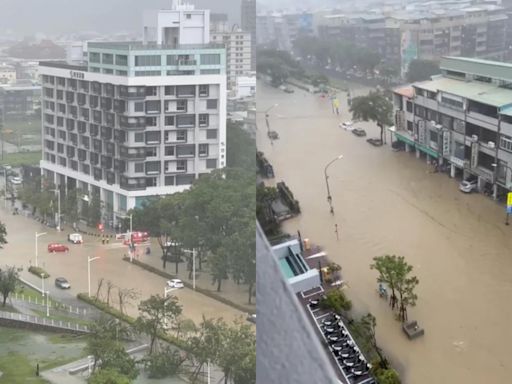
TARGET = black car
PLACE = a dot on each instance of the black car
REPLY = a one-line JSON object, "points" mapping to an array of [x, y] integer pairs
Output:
{"points": [[359, 132], [62, 283]]}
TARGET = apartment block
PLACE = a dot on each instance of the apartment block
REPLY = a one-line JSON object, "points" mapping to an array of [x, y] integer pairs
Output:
{"points": [[140, 119], [238, 53], [462, 119]]}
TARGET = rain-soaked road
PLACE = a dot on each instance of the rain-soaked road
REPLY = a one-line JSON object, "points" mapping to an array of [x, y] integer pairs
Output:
{"points": [[388, 203], [20, 251]]}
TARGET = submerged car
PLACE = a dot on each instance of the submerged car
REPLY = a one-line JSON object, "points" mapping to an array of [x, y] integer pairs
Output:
{"points": [[359, 132], [468, 185], [348, 125], [75, 238]]}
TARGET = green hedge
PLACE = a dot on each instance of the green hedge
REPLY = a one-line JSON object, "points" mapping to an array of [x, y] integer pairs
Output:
{"points": [[102, 306], [206, 292], [38, 271]]}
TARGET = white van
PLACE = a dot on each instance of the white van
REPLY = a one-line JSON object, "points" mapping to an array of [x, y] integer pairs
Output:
{"points": [[75, 238]]}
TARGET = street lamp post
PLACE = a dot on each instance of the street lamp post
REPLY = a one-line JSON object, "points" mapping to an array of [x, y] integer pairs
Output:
{"points": [[495, 166], [37, 236], [267, 123], [89, 259], [193, 252], [47, 303], [329, 197]]}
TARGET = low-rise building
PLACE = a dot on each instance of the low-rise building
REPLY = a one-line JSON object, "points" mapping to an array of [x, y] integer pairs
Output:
{"points": [[20, 99], [462, 119], [7, 74]]}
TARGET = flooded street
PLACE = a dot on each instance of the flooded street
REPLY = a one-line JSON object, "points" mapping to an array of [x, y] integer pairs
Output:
{"points": [[388, 203]]}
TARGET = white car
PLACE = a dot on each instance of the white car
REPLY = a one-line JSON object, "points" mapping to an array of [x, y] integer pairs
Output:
{"points": [[347, 125], [15, 180], [175, 283], [468, 185], [75, 238]]}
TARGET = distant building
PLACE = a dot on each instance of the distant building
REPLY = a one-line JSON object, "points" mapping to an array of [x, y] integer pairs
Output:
{"points": [[462, 119], [141, 119], [279, 30], [219, 22], [249, 25], [7, 74], [20, 100], [246, 86], [238, 53]]}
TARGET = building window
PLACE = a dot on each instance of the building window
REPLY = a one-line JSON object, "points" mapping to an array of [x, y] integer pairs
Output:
{"points": [[151, 121], [169, 180], [204, 90], [169, 121], [139, 167], [107, 58], [181, 135], [139, 137], [170, 90], [185, 179], [151, 182], [151, 91], [150, 151], [186, 91], [172, 60], [211, 133], [210, 59], [138, 106], [181, 105], [211, 104], [147, 73], [203, 150], [506, 143], [122, 60], [181, 165], [94, 57], [203, 120], [211, 163], [188, 16], [147, 60], [210, 72], [169, 150], [185, 121], [153, 137], [153, 106]]}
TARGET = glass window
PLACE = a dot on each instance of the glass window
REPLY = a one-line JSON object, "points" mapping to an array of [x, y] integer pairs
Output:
{"points": [[203, 120], [139, 167], [139, 106], [139, 137], [169, 180], [211, 104], [169, 150], [211, 133], [210, 59], [147, 60], [181, 165], [181, 135], [107, 58], [204, 90], [150, 151], [185, 179], [170, 90], [151, 121], [210, 72], [122, 60], [169, 121], [203, 150], [211, 163]]}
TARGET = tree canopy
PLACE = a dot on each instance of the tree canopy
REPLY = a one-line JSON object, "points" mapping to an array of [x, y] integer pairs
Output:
{"points": [[8, 282], [240, 147], [3, 235], [420, 70], [373, 107]]}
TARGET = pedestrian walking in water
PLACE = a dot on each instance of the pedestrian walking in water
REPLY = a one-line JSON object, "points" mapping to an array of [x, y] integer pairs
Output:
{"points": [[336, 231]]}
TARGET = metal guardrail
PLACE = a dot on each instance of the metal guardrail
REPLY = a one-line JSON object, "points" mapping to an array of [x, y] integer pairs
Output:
{"points": [[43, 321]]}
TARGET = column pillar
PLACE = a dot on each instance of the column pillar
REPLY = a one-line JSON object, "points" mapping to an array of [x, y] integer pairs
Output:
{"points": [[407, 148], [452, 171], [495, 191], [417, 153], [428, 159]]}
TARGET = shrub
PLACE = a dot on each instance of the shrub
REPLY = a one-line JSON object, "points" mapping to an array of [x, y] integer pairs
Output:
{"points": [[163, 364], [38, 271]]}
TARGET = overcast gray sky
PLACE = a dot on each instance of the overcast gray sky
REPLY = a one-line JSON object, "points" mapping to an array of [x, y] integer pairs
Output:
{"points": [[26, 17]]}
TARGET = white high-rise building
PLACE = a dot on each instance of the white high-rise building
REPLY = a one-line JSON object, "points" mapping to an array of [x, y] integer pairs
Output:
{"points": [[140, 119]]}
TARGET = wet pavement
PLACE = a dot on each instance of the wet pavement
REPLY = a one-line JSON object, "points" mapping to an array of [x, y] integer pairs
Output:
{"points": [[20, 251], [388, 202]]}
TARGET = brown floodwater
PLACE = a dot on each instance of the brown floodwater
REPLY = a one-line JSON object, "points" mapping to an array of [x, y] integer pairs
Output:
{"points": [[389, 203]]}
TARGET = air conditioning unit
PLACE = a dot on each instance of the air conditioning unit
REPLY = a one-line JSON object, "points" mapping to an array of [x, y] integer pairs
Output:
{"points": [[491, 144], [474, 138]]}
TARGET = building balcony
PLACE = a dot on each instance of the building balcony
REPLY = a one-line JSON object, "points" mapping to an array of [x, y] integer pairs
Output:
{"points": [[132, 123], [132, 153]]}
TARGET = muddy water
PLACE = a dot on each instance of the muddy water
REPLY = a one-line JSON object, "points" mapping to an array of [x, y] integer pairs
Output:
{"points": [[388, 203]]}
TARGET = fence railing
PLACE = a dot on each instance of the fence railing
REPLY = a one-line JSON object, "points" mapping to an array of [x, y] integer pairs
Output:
{"points": [[27, 299], [43, 321]]}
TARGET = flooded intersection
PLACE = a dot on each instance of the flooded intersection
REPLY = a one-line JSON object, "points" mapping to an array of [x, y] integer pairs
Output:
{"points": [[389, 203]]}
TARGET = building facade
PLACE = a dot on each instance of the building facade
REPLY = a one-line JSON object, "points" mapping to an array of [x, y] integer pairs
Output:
{"points": [[462, 119], [238, 53], [248, 13], [20, 100], [7, 74], [139, 120]]}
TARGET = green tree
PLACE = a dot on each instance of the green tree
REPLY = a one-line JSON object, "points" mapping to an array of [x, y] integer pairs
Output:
{"points": [[3, 235], [237, 342], [71, 205], [369, 323], [394, 271], [94, 210], [420, 70], [265, 196], [108, 376], [387, 376], [373, 107], [204, 344], [245, 371], [337, 301], [164, 363], [8, 282], [155, 313], [240, 147]]}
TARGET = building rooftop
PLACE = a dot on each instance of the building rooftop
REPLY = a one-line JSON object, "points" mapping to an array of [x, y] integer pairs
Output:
{"points": [[63, 65], [485, 93], [140, 46]]}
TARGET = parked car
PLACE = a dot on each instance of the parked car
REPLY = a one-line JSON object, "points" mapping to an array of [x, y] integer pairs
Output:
{"points": [[175, 283], [359, 132], [15, 180], [468, 185], [62, 283], [347, 125], [57, 247], [75, 238], [252, 318]]}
